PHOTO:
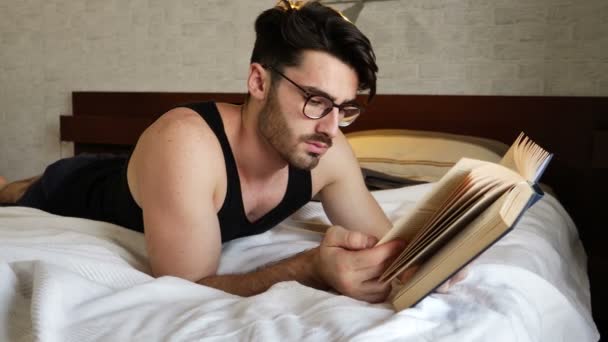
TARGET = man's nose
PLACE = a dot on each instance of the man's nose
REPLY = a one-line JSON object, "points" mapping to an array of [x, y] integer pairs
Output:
{"points": [[328, 124]]}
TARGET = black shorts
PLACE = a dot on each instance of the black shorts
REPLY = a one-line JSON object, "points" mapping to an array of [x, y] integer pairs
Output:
{"points": [[89, 186]]}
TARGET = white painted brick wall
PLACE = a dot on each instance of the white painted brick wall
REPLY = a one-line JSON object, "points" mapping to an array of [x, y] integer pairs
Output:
{"points": [[443, 71], [519, 15], [50, 48]]}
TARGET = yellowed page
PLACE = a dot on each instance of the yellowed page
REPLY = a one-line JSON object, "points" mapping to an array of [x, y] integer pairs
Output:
{"points": [[455, 220], [443, 237], [508, 160], [459, 203], [476, 183], [482, 232], [526, 158], [433, 229], [408, 226]]}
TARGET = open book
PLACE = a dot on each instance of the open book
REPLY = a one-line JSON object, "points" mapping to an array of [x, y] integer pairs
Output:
{"points": [[469, 208]]}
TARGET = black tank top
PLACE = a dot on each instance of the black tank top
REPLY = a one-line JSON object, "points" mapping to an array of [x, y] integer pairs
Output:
{"points": [[95, 187], [232, 218]]}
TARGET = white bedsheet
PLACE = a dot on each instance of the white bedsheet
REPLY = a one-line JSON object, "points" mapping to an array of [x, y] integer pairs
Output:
{"points": [[68, 279]]}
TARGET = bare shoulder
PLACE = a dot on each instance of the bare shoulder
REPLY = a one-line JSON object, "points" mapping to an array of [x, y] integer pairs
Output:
{"points": [[177, 147], [178, 123], [174, 175]]}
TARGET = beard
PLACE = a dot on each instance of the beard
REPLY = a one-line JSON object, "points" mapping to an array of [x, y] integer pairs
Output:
{"points": [[274, 128]]}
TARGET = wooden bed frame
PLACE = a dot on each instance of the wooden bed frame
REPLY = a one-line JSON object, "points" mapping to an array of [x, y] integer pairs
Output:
{"points": [[575, 129]]}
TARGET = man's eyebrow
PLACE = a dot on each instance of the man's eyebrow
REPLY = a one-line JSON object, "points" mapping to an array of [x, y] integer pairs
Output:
{"points": [[316, 91]]}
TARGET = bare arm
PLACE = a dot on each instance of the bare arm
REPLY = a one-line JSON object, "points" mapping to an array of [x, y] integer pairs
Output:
{"points": [[299, 267], [345, 198], [174, 186], [345, 261]]}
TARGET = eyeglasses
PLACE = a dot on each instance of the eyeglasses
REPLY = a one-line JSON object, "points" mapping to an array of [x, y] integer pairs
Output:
{"points": [[318, 106]]}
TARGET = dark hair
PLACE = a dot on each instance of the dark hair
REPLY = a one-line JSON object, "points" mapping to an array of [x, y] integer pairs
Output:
{"points": [[285, 31]]}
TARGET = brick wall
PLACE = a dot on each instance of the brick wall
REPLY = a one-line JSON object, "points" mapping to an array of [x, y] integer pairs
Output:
{"points": [[508, 47], [49, 48]]}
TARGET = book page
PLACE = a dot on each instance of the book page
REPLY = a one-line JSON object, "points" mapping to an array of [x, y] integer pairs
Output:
{"points": [[458, 198], [481, 179], [410, 224], [518, 201], [496, 172], [526, 158], [458, 218], [473, 189], [442, 218], [482, 232], [441, 237], [508, 160]]}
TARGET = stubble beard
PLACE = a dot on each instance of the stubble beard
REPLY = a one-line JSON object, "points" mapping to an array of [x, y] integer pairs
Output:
{"points": [[274, 128]]}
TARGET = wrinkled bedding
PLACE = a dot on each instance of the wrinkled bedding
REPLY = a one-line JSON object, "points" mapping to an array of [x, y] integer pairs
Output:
{"points": [[69, 279]]}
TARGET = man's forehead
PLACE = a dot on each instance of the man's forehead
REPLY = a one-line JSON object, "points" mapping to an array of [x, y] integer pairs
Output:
{"points": [[324, 74]]}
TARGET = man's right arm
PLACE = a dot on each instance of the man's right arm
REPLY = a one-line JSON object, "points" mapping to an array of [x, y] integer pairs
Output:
{"points": [[173, 181]]}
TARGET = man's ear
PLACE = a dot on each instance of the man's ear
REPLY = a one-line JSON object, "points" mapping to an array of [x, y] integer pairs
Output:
{"points": [[258, 82]]}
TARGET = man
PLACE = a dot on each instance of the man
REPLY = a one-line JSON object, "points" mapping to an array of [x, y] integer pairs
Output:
{"points": [[207, 173]]}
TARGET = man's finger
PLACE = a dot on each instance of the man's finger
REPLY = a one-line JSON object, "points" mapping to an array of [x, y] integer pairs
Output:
{"points": [[377, 255], [463, 273], [444, 288], [372, 272], [337, 236], [373, 291]]}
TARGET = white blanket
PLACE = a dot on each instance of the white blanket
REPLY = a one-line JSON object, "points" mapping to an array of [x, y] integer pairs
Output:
{"points": [[68, 279]]}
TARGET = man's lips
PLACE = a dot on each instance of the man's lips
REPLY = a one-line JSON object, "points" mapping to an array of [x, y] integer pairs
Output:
{"points": [[316, 147]]}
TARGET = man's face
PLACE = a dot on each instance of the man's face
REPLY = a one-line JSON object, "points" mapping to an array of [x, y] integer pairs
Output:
{"points": [[299, 140]]}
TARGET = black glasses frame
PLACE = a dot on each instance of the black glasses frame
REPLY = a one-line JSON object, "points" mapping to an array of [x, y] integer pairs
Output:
{"points": [[309, 95]]}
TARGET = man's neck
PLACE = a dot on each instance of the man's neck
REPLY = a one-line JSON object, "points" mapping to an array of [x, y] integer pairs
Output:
{"points": [[256, 158]]}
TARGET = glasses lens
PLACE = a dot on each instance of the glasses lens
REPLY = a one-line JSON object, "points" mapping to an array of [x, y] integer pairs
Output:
{"points": [[348, 119], [317, 106], [348, 115], [351, 111]]}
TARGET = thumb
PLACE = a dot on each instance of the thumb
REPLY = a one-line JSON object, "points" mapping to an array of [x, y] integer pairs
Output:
{"points": [[337, 236]]}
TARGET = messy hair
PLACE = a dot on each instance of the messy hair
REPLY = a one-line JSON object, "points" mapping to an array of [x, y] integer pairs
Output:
{"points": [[287, 30]]}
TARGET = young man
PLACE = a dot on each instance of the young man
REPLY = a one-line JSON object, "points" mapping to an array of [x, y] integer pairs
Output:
{"points": [[207, 173]]}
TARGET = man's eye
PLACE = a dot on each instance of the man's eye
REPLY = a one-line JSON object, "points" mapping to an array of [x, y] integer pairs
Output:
{"points": [[316, 102], [351, 111]]}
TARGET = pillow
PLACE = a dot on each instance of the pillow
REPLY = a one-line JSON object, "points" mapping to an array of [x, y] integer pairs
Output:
{"points": [[419, 155]]}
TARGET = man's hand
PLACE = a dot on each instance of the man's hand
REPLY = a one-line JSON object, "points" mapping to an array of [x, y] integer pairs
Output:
{"points": [[348, 262]]}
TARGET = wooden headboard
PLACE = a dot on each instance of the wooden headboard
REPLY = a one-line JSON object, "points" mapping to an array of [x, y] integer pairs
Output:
{"points": [[575, 129]]}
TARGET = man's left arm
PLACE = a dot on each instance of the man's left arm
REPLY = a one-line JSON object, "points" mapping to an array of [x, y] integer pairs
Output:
{"points": [[349, 204], [344, 196]]}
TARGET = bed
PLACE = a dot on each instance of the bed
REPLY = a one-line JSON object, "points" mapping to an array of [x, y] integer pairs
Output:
{"points": [[70, 279]]}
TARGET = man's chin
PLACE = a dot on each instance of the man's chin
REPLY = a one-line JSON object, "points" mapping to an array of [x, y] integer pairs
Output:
{"points": [[306, 162]]}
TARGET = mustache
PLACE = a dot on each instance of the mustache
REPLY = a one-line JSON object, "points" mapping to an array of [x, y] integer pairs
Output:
{"points": [[319, 137]]}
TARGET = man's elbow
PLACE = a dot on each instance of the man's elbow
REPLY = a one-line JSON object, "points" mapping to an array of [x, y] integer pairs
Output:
{"points": [[191, 274]]}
